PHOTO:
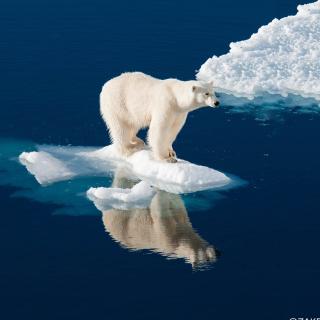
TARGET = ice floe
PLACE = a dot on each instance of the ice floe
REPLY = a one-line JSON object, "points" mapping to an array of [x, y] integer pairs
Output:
{"points": [[112, 186], [139, 196], [56, 163], [281, 62]]}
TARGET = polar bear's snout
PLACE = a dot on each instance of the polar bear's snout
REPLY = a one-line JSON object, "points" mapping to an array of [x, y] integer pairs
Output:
{"points": [[213, 102]]}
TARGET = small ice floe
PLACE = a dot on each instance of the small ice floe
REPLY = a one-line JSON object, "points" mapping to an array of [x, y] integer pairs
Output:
{"points": [[180, 177], [56, 163], [45, 167]]}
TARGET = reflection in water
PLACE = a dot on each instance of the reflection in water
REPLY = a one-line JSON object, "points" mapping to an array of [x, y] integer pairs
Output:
{"points": [[163, 227], [158, 222]]}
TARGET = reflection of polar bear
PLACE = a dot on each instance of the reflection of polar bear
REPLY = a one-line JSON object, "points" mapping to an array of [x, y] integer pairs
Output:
{"points": [[134, 100], [164, 227]]}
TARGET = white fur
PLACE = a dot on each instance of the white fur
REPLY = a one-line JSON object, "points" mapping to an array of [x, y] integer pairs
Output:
{"points": [[135, 100]]}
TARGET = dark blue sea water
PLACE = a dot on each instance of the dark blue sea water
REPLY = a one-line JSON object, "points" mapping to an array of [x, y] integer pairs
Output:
{"points": [[57, 259]]}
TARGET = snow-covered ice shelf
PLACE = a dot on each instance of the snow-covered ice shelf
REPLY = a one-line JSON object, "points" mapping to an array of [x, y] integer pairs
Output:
{"points": [[282, 59]]}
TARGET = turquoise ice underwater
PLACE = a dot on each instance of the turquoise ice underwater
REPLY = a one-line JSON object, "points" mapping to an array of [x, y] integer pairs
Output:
{"points": [[277, 68]]}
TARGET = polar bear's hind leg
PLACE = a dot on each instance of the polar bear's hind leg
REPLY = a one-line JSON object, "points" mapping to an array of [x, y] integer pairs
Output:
{"points": [[138, 142], [123, 136]]}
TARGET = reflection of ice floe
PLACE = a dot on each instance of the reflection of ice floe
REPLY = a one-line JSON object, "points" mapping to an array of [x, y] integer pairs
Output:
{"points": [[51, 164], [162, 226], [281, 62]]}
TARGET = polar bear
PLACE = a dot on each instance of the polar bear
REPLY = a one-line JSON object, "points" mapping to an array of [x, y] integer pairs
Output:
{"points": [[134, 100]]}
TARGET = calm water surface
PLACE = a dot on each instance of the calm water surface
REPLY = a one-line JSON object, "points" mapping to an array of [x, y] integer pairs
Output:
{"points": [[61, 258]]}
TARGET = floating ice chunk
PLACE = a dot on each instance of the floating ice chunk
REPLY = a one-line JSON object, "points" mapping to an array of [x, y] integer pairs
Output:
{"points": [[139, 196], [180, 177], [282, 58], [51, 164], [45, 167]]}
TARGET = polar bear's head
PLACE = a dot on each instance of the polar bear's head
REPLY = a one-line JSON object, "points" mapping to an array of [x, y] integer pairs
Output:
{"points": [[195, 94], [204, 95]]}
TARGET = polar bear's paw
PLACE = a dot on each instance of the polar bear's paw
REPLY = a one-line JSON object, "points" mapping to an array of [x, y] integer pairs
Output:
{"points": [[172, 153], [171, 160], [135, 145], [138, 143]]}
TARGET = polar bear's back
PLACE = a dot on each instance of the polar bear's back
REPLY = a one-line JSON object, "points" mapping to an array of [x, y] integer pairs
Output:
{"points": [[130, 93], [134, 78]]}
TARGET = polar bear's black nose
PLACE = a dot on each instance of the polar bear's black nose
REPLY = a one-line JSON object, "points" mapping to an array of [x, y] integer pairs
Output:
{"points": [[216, 103]]}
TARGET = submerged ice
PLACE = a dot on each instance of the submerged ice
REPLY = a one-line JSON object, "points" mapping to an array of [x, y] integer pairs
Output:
{"points": [[281, 60]]}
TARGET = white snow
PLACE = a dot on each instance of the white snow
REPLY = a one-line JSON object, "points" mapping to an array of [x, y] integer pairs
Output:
{"points": [[55, 163], [282, 59], [180, 177]]}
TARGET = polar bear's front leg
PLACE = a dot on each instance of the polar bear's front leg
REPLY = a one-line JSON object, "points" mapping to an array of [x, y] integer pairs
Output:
{"points": [[174, 131], [163, 132], [172, 153]]}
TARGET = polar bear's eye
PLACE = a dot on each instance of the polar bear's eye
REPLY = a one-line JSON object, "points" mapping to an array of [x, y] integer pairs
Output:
{"points": [[207, 94]]}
